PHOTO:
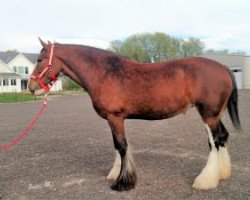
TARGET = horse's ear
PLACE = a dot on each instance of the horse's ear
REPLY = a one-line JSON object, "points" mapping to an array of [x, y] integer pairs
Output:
{"points": [[42, 42]]}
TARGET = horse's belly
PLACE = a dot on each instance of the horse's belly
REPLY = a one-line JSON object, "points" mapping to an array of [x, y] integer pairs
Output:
{"points": [[157, 113], [151, 116]]}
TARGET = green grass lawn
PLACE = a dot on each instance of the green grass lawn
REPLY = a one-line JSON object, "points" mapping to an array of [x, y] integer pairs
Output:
{"points": [[26, 96], [16, 97]]}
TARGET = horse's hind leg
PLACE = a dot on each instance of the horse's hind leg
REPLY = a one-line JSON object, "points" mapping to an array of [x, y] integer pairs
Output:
{"points": [[221, 137], [218, 164], [126, 179], [209, 176]]}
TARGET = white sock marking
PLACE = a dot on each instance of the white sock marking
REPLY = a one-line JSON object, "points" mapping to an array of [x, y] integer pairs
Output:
{"points": [[129, 160], [224, 164], [209, 176], [115, 171]]}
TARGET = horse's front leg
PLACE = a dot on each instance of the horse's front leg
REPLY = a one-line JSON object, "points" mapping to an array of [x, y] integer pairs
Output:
{"points": [[126, 178]]}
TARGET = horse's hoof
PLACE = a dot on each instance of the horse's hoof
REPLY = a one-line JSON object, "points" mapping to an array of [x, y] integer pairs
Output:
{"points": [[126, 181], [205, 184], [122, 186]]}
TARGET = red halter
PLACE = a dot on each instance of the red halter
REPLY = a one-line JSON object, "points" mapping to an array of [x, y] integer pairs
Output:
{"points": [[38, 79]]}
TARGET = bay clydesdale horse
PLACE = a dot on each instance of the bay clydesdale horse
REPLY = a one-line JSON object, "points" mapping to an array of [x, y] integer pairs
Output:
{"points": [[124, 89]]}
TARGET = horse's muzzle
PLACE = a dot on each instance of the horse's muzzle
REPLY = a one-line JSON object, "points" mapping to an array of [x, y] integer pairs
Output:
{"points": [[34, 88]]}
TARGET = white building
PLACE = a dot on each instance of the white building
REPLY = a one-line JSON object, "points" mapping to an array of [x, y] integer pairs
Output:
{"points": [[9, 81], [15, 69], [238, 64]]}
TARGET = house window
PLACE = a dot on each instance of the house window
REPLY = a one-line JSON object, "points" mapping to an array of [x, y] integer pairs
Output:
{"points": [[13, 81], [20, 70], [236, 70], [26, 70], [15, 70], [5, 82]]}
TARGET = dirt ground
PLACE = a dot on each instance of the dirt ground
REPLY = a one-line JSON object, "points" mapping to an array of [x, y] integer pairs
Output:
{"points": [[69, 152]]}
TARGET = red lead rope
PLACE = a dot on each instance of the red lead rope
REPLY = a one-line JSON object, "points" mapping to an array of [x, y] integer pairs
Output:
{"points": [[25, 132]]}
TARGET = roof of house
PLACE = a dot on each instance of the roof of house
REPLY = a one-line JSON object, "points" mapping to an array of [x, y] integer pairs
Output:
{"points": [[226, 54], [9, 75], [7, 56], [32, 57]]}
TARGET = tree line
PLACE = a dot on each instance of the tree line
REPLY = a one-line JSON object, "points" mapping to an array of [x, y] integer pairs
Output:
{"points": [[156, 47]]}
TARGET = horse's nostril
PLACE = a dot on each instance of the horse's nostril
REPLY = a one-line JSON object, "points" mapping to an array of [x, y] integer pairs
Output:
{"points": [[32, 90]]}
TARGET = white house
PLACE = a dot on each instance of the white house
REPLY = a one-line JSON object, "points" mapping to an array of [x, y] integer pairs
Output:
{"points": [[15, 69], [9, 81]]}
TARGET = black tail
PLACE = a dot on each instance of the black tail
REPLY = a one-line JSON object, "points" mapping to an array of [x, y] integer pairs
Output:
{"points": [[232, 104]]}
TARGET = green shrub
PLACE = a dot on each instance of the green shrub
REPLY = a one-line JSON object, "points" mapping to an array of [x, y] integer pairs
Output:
{"points": [[69, 84]]}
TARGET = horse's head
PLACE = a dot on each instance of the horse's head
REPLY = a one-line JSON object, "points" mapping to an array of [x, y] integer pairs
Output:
{"points": [[46, 70]]}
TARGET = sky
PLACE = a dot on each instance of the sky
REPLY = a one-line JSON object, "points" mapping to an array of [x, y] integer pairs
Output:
{"points": [[220, 24]]}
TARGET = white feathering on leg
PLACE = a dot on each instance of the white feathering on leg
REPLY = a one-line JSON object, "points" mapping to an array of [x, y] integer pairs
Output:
{"points": [[130, 160], [209, 176], [224, 164], [115, 171]]}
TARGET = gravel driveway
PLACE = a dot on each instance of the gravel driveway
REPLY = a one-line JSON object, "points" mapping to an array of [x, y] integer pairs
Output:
{"points": [[69, 152]]}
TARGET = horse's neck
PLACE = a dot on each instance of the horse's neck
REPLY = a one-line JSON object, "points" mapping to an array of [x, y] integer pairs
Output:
{"points": [[80, 70]]}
